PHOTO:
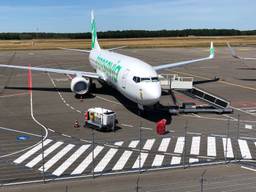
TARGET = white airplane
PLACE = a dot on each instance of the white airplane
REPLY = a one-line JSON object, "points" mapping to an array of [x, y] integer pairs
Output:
{"points": [[135, 79], [233, 53]]}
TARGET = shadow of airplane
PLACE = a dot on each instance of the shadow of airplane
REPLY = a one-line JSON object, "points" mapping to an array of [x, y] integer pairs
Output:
{"points": [[150, 113]]}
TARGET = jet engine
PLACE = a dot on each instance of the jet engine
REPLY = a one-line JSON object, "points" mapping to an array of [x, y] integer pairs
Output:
{"points": [[80, 85]]}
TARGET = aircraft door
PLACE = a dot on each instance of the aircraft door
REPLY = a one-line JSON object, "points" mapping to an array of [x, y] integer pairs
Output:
{"points": [[124, 78]]}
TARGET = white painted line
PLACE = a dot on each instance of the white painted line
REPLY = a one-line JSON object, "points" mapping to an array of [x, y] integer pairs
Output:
{"points": [[195, 146], [39, 157], [164, 144], [158, 160], [247, 126], [87, 161], [140, 161], [60, 170], [175, 160], [193, 160], [211, 146], [149, 143], [17, 131], [51, 130], [134, 144], [193, 133], [31, 152], [122, 161], [143, 156], [125, 156], [146, 128], [229, 150], [250, 169], [179, 145], [66, 135], [126, 125], [102, 98], [57, 157], [107, 158], [245, 151]]}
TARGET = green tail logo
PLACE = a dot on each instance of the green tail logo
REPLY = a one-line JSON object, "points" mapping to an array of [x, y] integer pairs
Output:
{"points": [[95, 44]]}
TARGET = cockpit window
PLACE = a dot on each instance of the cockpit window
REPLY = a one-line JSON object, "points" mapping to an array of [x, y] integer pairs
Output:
{"points": [[136, 79], [145, 79], [155, 79]]}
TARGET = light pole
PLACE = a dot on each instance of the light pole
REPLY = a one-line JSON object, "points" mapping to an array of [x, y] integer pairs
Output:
{"points": [[42, 141], [202, 180], [185, 144]]}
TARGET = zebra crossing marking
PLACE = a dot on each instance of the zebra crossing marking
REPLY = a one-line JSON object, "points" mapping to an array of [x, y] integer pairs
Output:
{"points": [[179, 145], [175, 160], [245, 152], [143, 156], [227, 147], [31, 151], [158, 160], [195, 146], [63, 167], [57, 157], [107, 158], [39, 157], [125, 156], [87, 161], [211, 146]]}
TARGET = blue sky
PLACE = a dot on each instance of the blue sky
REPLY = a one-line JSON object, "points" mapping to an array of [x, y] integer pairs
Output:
{"points": [[74, 15]]}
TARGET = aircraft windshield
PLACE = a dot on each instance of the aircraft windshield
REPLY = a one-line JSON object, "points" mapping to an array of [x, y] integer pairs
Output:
{"points": [[145, 79]]}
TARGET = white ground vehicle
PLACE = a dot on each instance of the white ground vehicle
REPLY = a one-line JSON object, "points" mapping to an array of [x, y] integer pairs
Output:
{"points": [[100, 118]]}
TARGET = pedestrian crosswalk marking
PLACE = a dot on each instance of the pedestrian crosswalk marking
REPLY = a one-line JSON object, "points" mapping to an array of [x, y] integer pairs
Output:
{"points": [[87, 161], [179, 145], [63, 167], [125, 156], [46, 152], [211, 146], [244, 149], [57, 157], [57, 152], [175, 160], [106, 159], [32, 151], [195, 146], [143, 156], [228, 151], [158, 160], [193, 160]]}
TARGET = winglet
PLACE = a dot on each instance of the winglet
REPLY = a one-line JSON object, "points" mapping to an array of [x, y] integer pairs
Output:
{"points": [[212, 51], [232, 51]]}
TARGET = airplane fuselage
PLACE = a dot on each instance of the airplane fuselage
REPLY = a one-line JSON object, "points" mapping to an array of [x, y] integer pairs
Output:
{"points": [[135, 79]]}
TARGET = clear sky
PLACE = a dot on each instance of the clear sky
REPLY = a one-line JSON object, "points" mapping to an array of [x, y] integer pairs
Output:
{"points": [[74, 15]]}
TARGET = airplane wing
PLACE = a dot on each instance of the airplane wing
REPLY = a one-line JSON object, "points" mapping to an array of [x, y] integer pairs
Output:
{"points": [[77, 50], [233, 53], [88, 51], [181, 63], [51, 70]]}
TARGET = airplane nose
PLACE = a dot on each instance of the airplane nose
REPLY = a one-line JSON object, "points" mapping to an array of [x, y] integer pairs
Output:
{"points": [[151, 94]]}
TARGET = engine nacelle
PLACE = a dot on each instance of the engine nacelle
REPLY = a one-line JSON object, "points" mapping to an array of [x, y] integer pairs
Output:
{"points": [[80, 85]]}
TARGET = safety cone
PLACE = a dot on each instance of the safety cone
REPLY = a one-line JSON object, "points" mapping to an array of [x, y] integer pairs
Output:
{"points": [[76, 125]]}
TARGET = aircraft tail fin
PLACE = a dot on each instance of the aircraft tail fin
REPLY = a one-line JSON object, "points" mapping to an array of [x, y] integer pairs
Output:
{"points": [[95, 44]]}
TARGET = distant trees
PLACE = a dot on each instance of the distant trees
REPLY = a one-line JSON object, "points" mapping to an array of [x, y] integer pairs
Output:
{"points": [[128, 34]]}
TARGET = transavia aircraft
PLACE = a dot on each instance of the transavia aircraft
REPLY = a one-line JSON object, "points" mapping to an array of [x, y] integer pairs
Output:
{"points": [[135, 79]]}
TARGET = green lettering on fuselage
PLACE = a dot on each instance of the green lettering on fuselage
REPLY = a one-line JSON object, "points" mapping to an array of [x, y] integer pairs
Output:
{"points": [[108, 67]]}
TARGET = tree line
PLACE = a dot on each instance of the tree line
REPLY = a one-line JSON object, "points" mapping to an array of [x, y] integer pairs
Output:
{"points": [[128, 34]]}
